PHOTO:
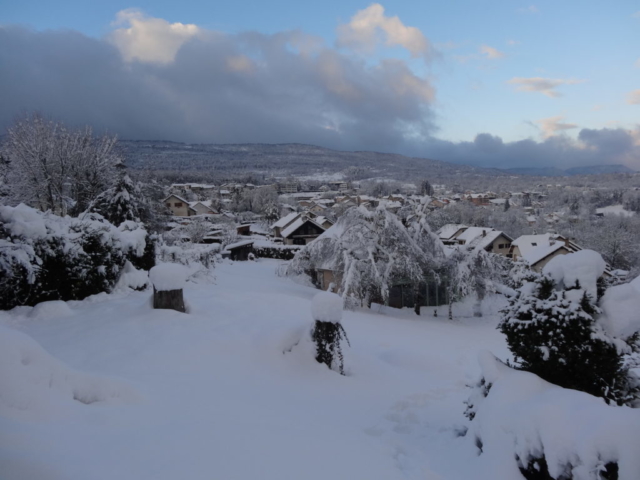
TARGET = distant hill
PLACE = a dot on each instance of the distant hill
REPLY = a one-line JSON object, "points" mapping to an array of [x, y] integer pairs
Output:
{"points": [[289, 159], [556, 172]]}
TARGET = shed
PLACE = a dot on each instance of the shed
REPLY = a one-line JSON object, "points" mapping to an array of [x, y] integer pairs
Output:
{"points": [[239, 251]]}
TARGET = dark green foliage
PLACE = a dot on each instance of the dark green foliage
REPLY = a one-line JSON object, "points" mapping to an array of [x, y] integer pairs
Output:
{"points": [[71, 261], [327, 337], [538, 469], [481, 390], [558, 340], [148, 259]]}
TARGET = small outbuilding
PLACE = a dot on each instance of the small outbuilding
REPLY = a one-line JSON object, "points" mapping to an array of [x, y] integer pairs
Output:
{"points": [[239, 251]]}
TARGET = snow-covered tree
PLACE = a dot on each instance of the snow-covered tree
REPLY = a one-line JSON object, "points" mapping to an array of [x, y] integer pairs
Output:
{"points": [[552, 332], [55, 168], [122, 202], [369, 251], [473, 271]]}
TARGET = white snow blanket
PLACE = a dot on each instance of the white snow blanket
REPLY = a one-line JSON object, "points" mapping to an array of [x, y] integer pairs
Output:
{"points": [[526, 416], [327, 307], [168, 276], [36, 386]]}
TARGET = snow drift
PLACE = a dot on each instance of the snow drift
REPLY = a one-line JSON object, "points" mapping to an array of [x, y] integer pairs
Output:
{"points": [[525, 417], [35, 385]]}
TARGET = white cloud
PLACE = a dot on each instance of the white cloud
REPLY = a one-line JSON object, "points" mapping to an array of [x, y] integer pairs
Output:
{"points": [[370, 26], [552, 125], [147, 39], [490, 52], [546, 86], [636, 15], [633, 98], [512, 43]]}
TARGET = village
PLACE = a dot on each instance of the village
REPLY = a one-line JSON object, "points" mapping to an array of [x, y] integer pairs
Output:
{"points": [[295, 218]]}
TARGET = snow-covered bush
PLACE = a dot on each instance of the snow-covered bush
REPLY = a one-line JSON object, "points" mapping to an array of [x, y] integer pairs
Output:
{"points": [[552, 331], [328, 333], [530, 427], [189, 254], [47, 257]]}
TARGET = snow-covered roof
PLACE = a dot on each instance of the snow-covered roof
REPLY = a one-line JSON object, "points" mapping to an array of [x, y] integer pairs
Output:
{"points": [[284, 221], [176, 196], [539, 253], [449, 230], [472, 233], [486, 240], [243, 243], [297, 224], [527, 243]]}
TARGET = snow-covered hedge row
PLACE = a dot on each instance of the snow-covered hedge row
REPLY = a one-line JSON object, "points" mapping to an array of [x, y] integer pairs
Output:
{"points": [[521, 422], [278, 252], [189, 254], [47, 257]]}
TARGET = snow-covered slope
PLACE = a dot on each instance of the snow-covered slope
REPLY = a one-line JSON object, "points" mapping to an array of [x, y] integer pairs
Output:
{"points": [[217, 397]]}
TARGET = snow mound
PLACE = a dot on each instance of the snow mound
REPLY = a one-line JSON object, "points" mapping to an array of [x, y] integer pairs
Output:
{"points": [[620, 306], [327, 307], [23, 220], [525, 416], [585, 266], [168, 276], [52, 309], [35, 385], [131, 277]]}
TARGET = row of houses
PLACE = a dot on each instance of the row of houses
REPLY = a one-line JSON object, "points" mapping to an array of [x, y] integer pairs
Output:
{"points": [[536, 250]]}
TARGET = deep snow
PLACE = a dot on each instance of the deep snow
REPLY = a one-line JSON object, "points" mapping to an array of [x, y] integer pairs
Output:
{"points": [[211, 395]]}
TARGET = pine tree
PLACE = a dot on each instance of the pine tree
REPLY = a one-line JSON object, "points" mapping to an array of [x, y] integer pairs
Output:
{"points": [[122, 202], [507, 205], [553, 334]]}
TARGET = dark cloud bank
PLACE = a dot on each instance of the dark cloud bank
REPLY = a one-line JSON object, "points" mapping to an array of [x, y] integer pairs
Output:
{"points": [[254, 88]]}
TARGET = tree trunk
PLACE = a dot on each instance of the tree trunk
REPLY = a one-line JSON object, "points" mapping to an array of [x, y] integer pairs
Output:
{"points": [[169, 299]]}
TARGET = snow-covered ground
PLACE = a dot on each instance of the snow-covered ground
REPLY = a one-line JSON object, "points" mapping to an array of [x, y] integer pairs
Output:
{"points": [[155, 394], [615, 210]]}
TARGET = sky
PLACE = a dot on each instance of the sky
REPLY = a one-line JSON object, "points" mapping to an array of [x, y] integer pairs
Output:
{"points": [[506, 84]]}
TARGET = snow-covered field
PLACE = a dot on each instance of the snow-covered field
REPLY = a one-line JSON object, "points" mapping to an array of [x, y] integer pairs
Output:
{"points": [[134, 393]]}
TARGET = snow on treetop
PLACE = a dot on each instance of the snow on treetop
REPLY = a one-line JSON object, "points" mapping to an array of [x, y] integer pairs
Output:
{"points": [[168, 276], [327, 307], [620, 305], [585, 266], [23, 220]]}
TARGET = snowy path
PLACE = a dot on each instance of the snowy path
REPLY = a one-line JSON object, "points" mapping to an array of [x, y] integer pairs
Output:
{"points": [[219, 399]]}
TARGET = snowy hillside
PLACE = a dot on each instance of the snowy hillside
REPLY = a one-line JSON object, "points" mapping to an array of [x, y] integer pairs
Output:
{"points": [[216, 393]]}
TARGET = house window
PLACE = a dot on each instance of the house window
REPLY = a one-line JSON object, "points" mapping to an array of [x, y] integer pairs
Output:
{"points": [[501, 245], [168, 204], [534, 244], [178, 204]]}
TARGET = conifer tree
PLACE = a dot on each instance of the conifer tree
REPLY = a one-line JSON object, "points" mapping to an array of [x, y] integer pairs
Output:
{"points": [[553, 334]]}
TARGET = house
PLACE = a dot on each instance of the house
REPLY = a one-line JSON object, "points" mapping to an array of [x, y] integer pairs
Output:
{"points": [[301, 231], [449, 232], [288, 187], [244, 229], [283, 223], [179, 206], [239, 251], [203, 207], [488, 239], [538, 250]]}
